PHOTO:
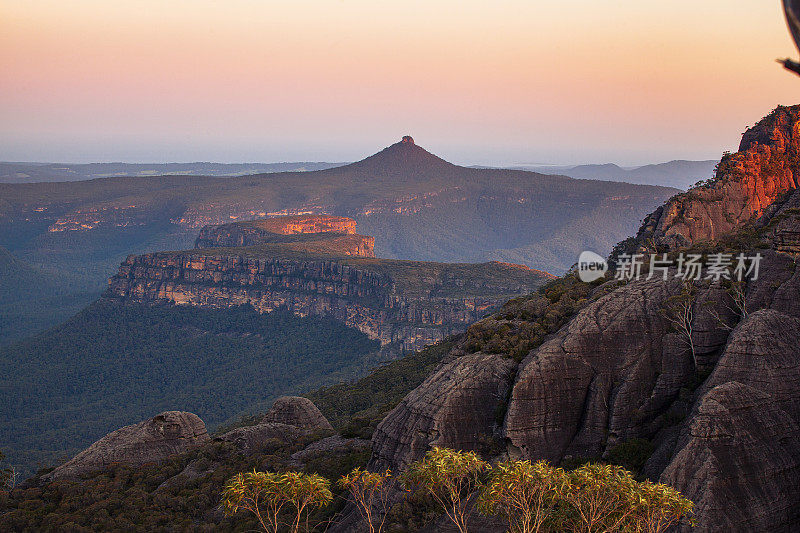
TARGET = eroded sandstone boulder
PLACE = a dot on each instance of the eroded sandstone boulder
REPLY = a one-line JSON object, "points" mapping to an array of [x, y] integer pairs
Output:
{"points": [[251, 439], [739, 463], [455, 407], [151, 441], [298, 412], [602, 379]]}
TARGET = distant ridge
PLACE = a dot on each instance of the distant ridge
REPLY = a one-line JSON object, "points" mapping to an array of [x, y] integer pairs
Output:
{"points": [[681, 174], [27, 172]]}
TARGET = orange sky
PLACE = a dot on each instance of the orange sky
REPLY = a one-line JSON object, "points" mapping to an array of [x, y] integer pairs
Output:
{"points": [[560, 82]]}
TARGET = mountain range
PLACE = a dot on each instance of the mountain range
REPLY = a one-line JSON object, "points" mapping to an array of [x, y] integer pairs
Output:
{"points": [[417, 206], [680, 174]]}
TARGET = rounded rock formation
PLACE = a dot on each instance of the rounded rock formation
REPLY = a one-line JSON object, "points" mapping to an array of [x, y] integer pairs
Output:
{"points": [[298, 412], [151, 441]]}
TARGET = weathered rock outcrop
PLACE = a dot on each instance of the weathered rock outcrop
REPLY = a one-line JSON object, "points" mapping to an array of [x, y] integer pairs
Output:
{"points": [[151, 441], [602, 379], [404, 303], [766, 167], [738, 458], [297, 412], [456, 407], [288, 420], [251, 439], [740, 464]]}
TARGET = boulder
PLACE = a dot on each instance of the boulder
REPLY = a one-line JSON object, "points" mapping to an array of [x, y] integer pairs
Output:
{"points": [[739, 463], [298, 412], [151, 441], [251, 439], [455, 407]]}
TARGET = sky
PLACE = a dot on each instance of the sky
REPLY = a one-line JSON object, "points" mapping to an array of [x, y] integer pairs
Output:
{"points": [[476, 82]]}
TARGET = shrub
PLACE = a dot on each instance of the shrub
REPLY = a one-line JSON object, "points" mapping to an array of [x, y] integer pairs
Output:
{"points": [[449, 477], [525, 493], [268, 494], [370, 493]]}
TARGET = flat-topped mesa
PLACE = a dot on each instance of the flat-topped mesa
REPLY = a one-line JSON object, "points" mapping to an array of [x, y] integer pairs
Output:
{"points": [[289, 225], [766, 167], [313, 233]]}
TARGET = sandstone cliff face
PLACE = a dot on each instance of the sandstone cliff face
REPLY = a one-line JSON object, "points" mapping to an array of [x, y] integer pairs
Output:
{"points": [[337, 234], [151, 441], [766, 167], [363, 295]]}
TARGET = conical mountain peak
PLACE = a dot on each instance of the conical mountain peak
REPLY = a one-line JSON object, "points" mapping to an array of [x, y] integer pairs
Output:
{"points": [[402, 157]]}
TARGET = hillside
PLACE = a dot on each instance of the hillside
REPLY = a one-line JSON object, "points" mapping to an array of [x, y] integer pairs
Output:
{"points": [[32, 299], [115, 364], [305, 302]]}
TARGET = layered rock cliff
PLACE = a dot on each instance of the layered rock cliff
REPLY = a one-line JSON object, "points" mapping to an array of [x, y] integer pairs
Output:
{"points": [[402, 303]]}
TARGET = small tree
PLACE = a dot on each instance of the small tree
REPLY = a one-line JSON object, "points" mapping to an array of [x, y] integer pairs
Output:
{"points": [[370, 492], [525, 493], [305, 492], [658, 507], [601, 497], [738, 306], [605, 498], [679, 311], [267, 494], [449, 477], [261, 493]]}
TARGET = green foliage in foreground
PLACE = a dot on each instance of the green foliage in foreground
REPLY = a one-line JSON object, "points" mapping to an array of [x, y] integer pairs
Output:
{"points": [[531, 497], [449, 477], [158, 499], [267, 494], [115, 364], [370, 491]]}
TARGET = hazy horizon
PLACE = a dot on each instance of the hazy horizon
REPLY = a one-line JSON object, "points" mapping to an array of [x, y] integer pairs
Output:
{"points": [[564, 83]]}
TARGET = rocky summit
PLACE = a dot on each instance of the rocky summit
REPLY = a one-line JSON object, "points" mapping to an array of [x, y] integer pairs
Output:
{"points": [[765, 168]]}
